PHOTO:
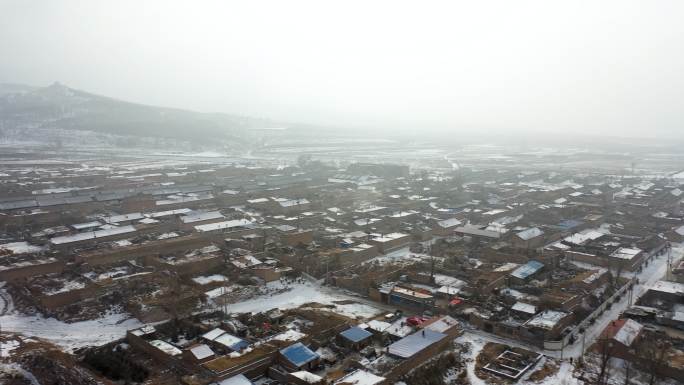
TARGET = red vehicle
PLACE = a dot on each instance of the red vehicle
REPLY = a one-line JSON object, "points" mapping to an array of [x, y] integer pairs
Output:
{"points": [[416, 320]]}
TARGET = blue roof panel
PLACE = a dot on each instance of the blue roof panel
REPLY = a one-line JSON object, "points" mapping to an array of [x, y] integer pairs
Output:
{"points": [[527, 269], [356, 334], [298, 354]]}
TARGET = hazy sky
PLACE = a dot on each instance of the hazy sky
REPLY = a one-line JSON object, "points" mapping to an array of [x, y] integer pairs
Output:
{"points": [[592, 66]]}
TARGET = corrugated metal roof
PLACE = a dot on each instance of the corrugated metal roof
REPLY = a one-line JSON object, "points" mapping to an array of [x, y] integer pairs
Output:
{"points": [[526, 270], [414, 343]]}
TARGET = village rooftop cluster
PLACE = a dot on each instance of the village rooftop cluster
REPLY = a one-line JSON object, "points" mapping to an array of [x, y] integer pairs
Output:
{"points": [[242, 273]]}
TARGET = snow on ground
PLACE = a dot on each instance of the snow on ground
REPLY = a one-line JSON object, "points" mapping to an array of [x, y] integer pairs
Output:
{"points": [[21, 247], [206, 279], [6, 347], [297, 294], [564, 375], [476, 344], [69, 336], [403, 254]]}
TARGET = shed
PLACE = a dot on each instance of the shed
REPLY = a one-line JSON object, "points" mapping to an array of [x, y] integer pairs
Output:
{"points": [[298, 356], [414, 343], [355, 337]]}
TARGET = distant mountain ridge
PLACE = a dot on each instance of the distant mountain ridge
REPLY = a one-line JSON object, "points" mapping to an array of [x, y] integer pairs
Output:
{"points": [[60, 107]]}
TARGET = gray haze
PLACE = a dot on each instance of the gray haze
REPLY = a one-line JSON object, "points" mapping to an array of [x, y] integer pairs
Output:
{"points": [[613, 67]]}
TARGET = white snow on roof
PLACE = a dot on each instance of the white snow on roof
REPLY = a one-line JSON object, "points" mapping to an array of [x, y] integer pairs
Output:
{"points": [[293, 202], [201, 351], [360, 377], [227, 340], [167, 213], [205, 280], [223, 225], [583, 236], [389, 237], [201, 216], [669, 287], [449, 290], [378, 326], [298, 294], [240, 379], [628, 332], [559, 245], [123, 218], [625, 253], [507, 267], [213, 334], [415, 343], [92, 235], [165, 347], [288, 335], [494, 212], [530, 233], [86, 225], [680, 230], [366, 221], [442, 325], [370, 208], [20, 247], [451, 222], [257, 200], [524, 307], [447, 280]]}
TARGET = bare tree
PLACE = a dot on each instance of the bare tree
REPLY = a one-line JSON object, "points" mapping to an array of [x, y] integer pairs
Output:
{"points": [[654, 351], [605, 349], [628, 371]]}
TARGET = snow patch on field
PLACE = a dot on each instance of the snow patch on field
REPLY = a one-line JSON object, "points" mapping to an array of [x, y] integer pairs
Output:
{"points": [[70, 336], [294, 295], [21, 247], [19, 372]]}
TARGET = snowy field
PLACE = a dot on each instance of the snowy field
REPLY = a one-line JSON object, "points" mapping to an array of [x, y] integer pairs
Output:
{"points": [[68, 336], [289, 296]]}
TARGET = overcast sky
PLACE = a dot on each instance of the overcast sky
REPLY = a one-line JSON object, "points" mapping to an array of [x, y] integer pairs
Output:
{"points": [[590, 66]]}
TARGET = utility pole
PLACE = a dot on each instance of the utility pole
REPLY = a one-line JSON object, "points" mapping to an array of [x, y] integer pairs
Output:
{"points": [[669, 262]]}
